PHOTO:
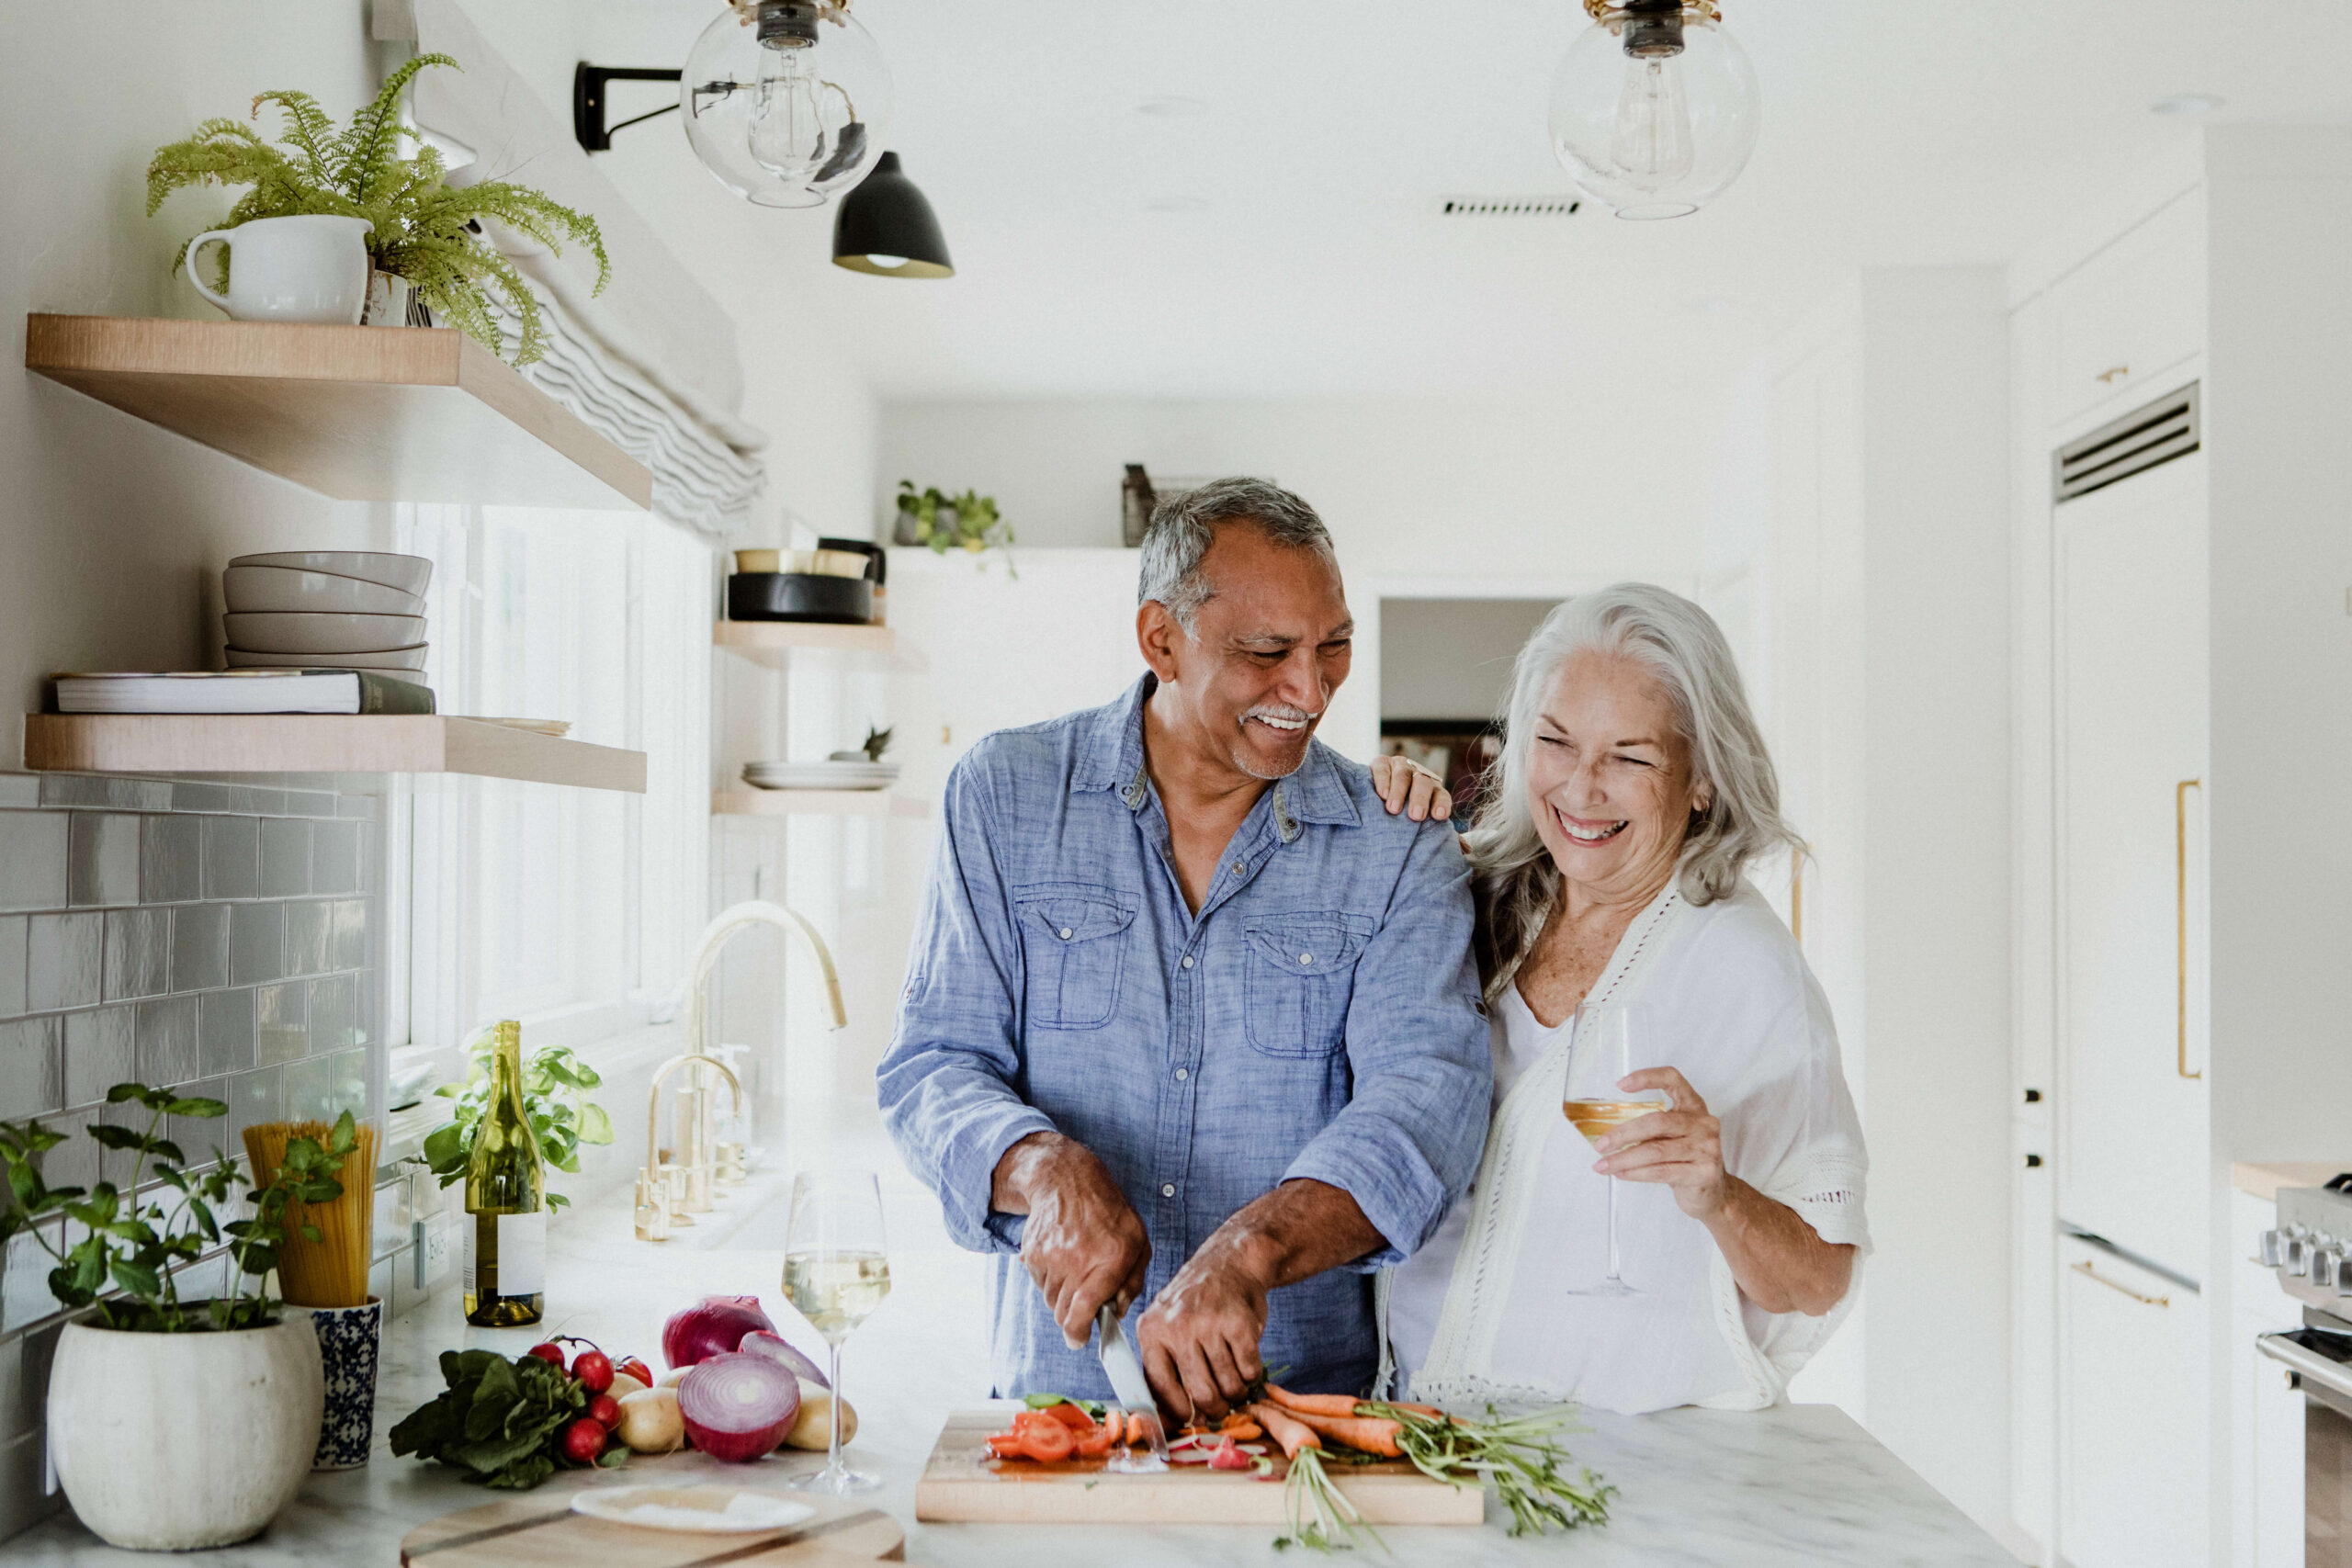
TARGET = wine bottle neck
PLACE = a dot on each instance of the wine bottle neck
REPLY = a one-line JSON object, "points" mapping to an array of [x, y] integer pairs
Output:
{"points": [[506, 1069]]}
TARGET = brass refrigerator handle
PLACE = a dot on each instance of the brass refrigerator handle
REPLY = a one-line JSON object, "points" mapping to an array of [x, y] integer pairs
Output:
{"points": [[2180, 919], [2085, 1269]]}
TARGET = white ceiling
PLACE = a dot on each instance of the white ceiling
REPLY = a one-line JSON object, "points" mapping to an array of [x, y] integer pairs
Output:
{"points": [[1307, 261]]}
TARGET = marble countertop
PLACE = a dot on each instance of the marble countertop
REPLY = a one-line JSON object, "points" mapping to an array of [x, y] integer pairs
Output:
{"points": [[1799, 1485]]}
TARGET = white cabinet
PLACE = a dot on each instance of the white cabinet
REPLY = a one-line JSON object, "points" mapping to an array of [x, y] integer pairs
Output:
{"points": [[2132, 1415], [2130, 314], [2266, 1426], [2131, 678]]}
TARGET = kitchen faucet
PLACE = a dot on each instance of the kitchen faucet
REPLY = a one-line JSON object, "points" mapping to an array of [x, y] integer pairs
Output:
{"points": [[671, 1192]]}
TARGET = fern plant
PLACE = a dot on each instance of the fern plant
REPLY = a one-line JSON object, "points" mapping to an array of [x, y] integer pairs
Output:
{"points": [[424, 230]]}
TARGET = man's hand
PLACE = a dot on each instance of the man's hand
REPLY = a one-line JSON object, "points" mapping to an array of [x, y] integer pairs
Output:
{"points": [[1084, 1244], [1199, 1337]]}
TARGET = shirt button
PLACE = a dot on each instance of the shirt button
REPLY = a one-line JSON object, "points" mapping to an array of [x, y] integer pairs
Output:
{"points": [[1188, 961], [1182, 1073], [1065, 934], [1239, 868], [1169, 1190], [1306, 958]]}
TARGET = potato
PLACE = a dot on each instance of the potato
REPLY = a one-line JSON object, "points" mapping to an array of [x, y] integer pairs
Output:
{"points": [[624, 1385], [814, 1431], [650, 1423]]}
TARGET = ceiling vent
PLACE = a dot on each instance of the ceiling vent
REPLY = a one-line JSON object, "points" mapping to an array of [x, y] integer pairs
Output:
{"points": [[1507, 206], [2156, 432]]}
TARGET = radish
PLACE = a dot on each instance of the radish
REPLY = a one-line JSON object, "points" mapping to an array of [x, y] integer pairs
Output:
{"points": [[583, 1440]]}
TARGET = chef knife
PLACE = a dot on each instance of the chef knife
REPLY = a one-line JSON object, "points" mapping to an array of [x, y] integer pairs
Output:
{"points": [[1121, 1365]]}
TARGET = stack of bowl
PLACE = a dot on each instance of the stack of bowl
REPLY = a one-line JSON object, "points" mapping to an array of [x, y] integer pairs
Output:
{"points": [[327, 610]]}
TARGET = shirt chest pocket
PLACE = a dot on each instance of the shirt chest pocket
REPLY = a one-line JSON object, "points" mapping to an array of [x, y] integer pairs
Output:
{"points": [[1075, 939], [1300, 975]]}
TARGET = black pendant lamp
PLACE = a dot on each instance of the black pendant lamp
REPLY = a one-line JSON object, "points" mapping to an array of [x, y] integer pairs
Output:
{"points": [[883, 226]]}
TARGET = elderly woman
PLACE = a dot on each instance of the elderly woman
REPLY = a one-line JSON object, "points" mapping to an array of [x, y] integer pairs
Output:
{"points": [[1632, 792]]}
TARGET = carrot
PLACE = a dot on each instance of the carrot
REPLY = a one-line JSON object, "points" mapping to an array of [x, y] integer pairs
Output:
{"points": [[1138, 1434], [1241, 1431], [1071, 1416], [1313, 1404], [1291, 1434], [1363, 1433], [1429, 1410]]}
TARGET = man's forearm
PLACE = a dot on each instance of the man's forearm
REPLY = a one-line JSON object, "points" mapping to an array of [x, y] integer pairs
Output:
{"points": [[1024, 1163], [1293, 1233]]}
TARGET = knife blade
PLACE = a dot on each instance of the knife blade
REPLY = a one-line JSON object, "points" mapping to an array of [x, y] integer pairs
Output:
{"points": [[1124, 1370]]}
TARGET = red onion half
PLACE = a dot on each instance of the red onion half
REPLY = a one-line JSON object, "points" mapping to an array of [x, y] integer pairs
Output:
{"points": [[714, 1326], [738, 1408], [777, 1349]]}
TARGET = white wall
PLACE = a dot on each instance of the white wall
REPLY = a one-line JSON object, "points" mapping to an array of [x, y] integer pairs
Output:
{"points": [[1886, 625], [1452, 658]]}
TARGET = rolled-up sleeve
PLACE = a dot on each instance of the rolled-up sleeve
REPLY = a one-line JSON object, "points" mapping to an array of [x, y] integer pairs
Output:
{"points": [[946, 1087], [1408, 1142]]}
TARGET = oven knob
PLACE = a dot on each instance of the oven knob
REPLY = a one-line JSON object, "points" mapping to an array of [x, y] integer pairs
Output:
{"points": [[2273, 1247], [2298, 1251], [2327, 1267]]}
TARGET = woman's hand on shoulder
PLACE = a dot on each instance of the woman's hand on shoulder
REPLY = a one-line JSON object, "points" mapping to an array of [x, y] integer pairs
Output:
{"points": [[1682, 1149], [1407, 786]]}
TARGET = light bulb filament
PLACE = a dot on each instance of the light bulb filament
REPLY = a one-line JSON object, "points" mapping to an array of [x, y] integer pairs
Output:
{"points": [[1652, 143]]}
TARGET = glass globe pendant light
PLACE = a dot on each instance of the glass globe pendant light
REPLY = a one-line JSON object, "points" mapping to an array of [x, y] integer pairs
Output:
{"points": [[787, 101], [1654, 107]]}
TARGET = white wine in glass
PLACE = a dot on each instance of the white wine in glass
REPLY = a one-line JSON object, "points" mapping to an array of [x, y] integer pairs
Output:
{"points": [[836, 1272], [1607, 1046]]}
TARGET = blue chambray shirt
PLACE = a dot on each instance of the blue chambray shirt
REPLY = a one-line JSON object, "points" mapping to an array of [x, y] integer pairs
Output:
{"points": [[1319, 1018]]}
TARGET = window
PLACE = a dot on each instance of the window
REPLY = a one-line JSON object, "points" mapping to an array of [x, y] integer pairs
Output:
{"points": [[565, 908]]}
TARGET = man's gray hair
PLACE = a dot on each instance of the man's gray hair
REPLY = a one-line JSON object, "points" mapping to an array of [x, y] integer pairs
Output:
{"points": [[1184, 525], [1684, 650]]}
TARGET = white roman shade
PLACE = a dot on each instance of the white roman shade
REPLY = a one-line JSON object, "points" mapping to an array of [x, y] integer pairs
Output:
{"points": [[650, 362]]}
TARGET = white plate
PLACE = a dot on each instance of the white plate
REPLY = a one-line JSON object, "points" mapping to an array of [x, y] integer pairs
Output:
{"points": [[284, 588], [700, 1510], [274, 631], [407, 573], [407, 661]]}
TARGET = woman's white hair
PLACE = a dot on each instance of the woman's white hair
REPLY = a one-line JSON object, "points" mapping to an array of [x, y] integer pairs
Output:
{"points": [[1518, 885]]}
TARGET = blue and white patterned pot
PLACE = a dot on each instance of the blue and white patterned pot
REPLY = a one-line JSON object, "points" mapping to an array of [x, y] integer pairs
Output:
{"points": [[348, 1345]]}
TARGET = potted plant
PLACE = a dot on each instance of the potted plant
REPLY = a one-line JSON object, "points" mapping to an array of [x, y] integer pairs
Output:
{"points": [[422, 231], [968, 521], [172, 1424], [555, 1097]]}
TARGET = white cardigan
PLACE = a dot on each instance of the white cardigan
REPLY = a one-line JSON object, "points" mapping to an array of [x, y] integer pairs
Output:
{"points": [[1726, 997]]}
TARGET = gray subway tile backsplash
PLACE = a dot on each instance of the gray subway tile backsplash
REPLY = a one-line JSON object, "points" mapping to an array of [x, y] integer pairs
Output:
{"points": [[100, 1052], [280, 1029], [167, 1032], [256, 942], [32, 859], [88, 790], [14, 931], [138, 953], [225, 1032], [347, 947], [199, 947], [231, 857], [63, 959], [171, 860], [32, 1080], [334, 857], [285, 858], [102, 859], [334, 1013], [310, 937]]}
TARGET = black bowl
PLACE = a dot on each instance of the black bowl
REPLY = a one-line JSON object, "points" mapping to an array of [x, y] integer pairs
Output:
{"points": [[798, 596]]}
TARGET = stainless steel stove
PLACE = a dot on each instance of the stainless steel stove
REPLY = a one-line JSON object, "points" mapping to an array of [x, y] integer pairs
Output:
{"points": [[2311, 1253]]}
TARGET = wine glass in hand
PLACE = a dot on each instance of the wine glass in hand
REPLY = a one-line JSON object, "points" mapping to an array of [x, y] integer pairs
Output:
{"points": [[836, 1272], [1606, 1046]]}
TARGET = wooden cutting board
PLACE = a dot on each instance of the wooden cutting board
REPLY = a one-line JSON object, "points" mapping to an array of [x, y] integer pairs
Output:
{"points": [[541, 1532], [963, 1482]]}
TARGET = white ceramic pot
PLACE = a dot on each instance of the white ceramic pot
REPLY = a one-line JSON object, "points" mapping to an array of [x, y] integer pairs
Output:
{"points": [[311, 270], [169, 1442]]}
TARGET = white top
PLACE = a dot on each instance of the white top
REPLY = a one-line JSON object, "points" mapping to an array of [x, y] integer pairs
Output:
{"points": [[1484, 1310]]}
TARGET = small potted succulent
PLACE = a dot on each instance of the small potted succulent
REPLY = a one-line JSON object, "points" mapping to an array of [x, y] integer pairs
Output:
{"points": [[423, 233], [968, 521], [174, 1424]]}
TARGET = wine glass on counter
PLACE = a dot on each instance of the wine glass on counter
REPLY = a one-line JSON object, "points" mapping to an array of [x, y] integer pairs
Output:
{"points": [[836, 1272], [1608, 1043]]}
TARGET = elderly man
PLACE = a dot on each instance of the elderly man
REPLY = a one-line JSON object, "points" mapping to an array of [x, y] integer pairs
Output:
{"points": [[1191, 1020]]}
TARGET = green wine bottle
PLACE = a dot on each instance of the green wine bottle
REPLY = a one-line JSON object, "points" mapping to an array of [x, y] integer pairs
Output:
{"points": [[506, 1228]]}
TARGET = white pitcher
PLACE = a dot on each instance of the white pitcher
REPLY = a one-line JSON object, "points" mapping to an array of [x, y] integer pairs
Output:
{"points": [[290, 269]]}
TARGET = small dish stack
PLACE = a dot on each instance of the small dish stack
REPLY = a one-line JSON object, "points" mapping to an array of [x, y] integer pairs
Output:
{"points": [[327, 610], [860, 774]]}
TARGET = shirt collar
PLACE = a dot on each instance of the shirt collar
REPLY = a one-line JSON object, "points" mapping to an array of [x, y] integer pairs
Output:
{"points": [[1111, 757]]}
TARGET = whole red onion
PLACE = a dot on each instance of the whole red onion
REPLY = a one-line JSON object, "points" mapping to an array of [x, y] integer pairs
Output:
{"points": [[714, 1326], [737, 1407]]}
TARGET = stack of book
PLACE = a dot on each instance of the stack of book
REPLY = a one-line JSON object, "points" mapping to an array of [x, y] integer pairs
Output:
{"points": [[243, 692]]}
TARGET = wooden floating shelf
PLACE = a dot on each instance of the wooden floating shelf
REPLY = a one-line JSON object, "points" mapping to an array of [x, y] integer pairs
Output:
{"points": [[815, 803], [358, 414], [320, 743], [772, 643]]}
